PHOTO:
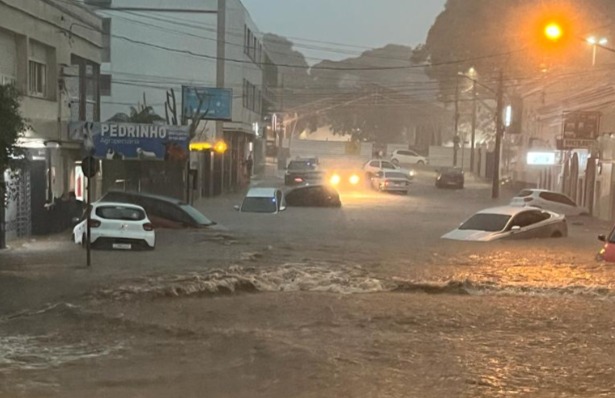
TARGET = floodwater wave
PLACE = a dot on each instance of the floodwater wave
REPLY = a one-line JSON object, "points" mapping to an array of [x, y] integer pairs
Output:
{"points": [[323, 278]]}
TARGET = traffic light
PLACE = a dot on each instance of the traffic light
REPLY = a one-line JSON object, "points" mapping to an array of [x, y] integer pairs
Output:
{"points": [[553, 31]]}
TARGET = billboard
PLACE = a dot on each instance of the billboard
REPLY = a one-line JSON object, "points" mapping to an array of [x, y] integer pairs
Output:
{"points": [[541, 158], [109, 140], [216, 103]]}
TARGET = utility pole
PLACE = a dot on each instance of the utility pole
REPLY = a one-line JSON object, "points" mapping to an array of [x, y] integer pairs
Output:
{"points": [[499, 131], [456, 138], [473, 138], [220, 56]]}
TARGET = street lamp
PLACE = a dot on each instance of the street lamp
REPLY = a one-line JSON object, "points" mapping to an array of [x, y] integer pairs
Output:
{"points": [[595, 42]]}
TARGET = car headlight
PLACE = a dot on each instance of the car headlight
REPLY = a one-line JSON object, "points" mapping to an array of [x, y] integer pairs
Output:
{"points": [[354, 179], [335, 179], [412, 173]]}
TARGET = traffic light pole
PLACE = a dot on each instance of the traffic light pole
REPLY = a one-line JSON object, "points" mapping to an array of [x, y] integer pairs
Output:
{"points": [[456, 138], [473, 138], [499, 132]]}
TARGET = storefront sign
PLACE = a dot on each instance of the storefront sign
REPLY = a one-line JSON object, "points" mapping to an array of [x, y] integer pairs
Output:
{"points": [[125, 141], [541, 158]]}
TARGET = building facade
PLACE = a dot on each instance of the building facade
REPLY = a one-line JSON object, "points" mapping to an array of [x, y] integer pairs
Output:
{"points": [[51, 51], [155, 50]]}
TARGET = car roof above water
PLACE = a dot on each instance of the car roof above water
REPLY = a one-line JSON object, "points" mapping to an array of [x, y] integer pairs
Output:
{"points": [[261, 192], [506, 210]]}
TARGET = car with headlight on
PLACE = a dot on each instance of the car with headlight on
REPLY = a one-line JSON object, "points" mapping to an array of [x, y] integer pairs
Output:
{"points": [[116, 226], [510, 222], [345, 179], [391, 181]]}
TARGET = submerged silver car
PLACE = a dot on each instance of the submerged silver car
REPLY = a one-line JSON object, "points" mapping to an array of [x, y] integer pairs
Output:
{"points": [[510, 222]]}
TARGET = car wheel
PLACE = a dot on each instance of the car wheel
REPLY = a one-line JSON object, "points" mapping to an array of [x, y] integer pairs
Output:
{"points": [[556, 234], [420, 163], [395, 162]]}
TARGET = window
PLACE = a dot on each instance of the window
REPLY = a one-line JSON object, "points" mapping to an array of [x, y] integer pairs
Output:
{"points": [[37, 79], [388, 165], [486, 222], [106, 54], [558, 198], [374, 163], [105, 85], [528, 218], [120, 213]]}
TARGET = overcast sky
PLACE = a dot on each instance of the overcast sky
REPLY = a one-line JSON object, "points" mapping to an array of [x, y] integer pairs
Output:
{"points": [[362, 23]]}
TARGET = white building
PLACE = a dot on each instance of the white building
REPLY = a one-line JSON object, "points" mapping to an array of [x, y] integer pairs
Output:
{"points": [[51, 51], [156, 46]]}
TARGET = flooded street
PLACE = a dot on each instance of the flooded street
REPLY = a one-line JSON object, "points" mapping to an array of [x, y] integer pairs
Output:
{"points": [[364, 301]]}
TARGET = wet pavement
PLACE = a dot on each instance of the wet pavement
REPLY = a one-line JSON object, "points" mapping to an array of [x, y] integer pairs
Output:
{"points": [[362, 301]]}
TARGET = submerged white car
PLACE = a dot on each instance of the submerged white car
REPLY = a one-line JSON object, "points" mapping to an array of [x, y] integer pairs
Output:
{"points": [[510, 222], [548, 200], [116, 226], [263, 200]]}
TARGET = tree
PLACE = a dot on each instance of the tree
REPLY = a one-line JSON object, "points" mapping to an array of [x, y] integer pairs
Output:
{"points": [[509, 36], [292, 68], [12, 125], [144, 114]]}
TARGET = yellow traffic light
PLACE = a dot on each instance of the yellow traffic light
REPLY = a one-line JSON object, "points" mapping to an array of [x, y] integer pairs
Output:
{"points": [[553, 31]]}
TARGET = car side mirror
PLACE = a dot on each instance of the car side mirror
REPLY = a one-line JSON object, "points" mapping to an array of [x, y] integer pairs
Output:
{"points": [[236, 207], [602, 238], [75, 220], [515, 228]]}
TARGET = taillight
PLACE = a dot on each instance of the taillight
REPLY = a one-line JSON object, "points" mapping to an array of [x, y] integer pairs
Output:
{"points": [[387, 183], [527, 199], [298, 179], [94, 223], [148, 226]]}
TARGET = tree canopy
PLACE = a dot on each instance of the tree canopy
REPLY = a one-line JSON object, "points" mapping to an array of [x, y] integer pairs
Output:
{"points": [[12, 124], [509, 36]]}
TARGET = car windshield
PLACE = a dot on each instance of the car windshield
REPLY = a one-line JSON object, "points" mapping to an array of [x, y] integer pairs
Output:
{"points": [[196, 215], [120, 213], [301, 165], [259, 205], [486, 222], [524, 193]]}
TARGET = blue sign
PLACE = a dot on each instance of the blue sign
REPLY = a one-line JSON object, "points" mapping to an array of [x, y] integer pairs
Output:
{"points": [[216, 103], [125, 141]]}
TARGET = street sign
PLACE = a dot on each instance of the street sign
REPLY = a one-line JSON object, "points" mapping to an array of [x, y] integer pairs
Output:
{"points": [[541, 158], [573, 144], [89, 166]]}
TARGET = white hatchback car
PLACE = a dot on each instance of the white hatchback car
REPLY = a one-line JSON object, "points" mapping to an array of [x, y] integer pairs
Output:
{"points": [[376, 165], [548, 200], [117, 226], [406, 156]]}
